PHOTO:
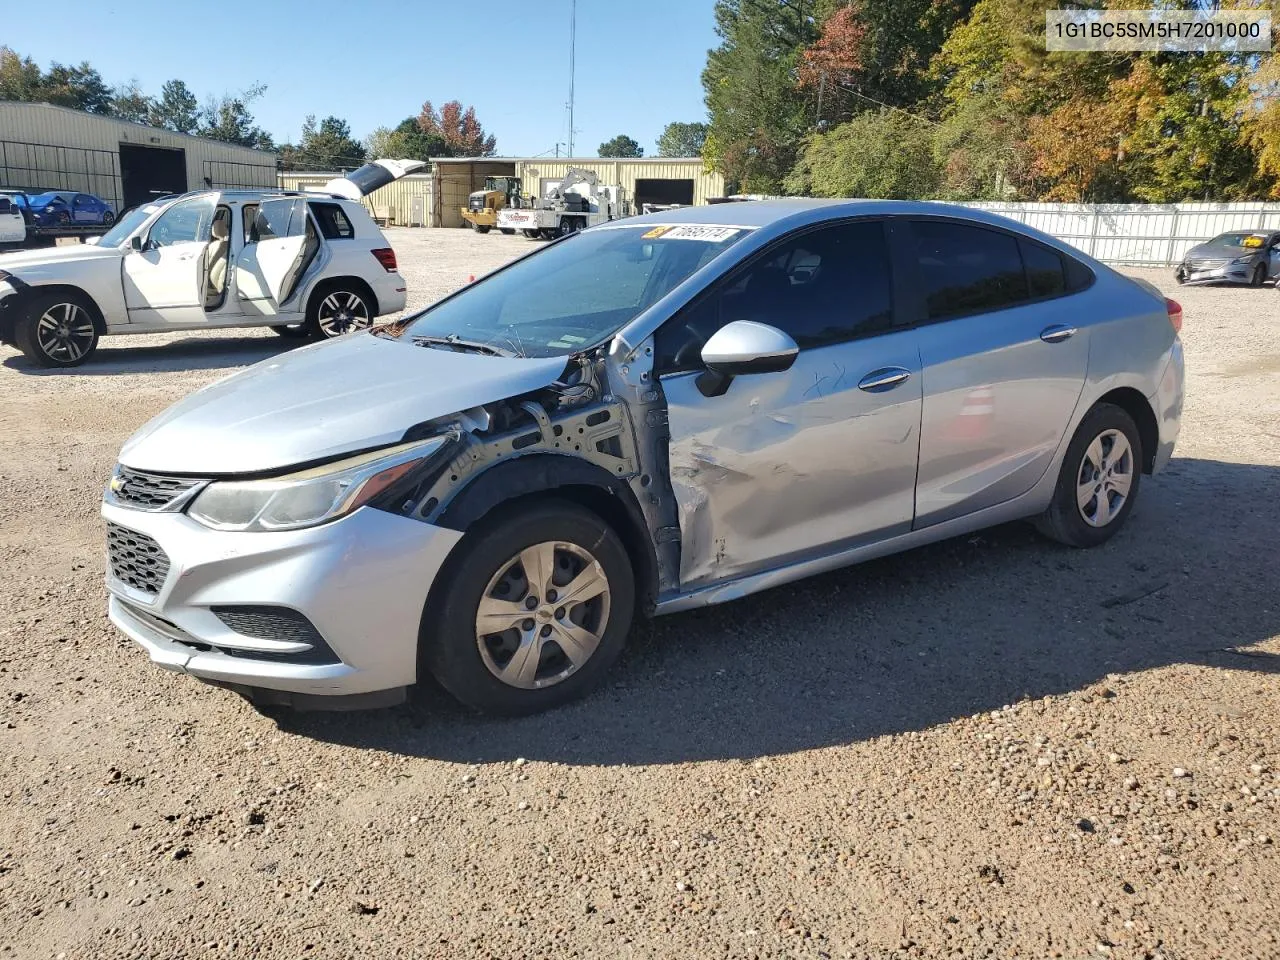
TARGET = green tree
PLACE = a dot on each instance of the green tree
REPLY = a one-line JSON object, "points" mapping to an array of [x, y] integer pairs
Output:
{"points": [[682, 140], [885, 155], [177, 109], [758, 115], [403, 142], [227, 118], [79, 87], [621, 146], [327, 146], [19, 76], [130, 103]]}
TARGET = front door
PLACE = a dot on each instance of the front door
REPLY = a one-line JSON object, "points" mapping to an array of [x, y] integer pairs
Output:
{"points": [[164, 281], [281, 241], [1004, 355], [785, 466]]}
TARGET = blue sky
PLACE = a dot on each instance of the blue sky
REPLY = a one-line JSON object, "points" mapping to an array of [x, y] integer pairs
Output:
{"points": [[373, 63]]}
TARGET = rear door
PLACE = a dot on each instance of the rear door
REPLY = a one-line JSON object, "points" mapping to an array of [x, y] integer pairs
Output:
{"points": [[281, 243], [1004, 354], [164, 281]]}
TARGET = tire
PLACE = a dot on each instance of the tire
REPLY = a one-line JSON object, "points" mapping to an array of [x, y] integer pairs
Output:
{"points": [[291, 331], [532, 234], [108, 218], [483, 228], [57, 330], [1181, 277], [487, 564], [507, 231], [1076, 523], [337, 308], [1259, 275], [62, 217]]}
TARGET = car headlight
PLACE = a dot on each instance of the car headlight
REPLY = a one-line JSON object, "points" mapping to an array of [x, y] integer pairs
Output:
{"points": [[309, 497]]}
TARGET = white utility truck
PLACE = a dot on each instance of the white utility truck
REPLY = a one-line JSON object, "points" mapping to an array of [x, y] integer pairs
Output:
{"points": [[575, 203]]}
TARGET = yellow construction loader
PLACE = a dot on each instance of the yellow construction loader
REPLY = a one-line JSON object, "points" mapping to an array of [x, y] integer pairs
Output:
{"points": [[481, 211]]}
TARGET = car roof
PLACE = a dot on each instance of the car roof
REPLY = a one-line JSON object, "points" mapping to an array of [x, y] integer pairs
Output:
{"points": [[763, 213]]}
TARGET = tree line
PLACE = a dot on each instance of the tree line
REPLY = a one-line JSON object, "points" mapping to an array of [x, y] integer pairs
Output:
{"points": [[328, 144], [958, 100]]}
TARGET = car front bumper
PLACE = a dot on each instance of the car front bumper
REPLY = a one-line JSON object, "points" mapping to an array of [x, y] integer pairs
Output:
{"points": [[361, 581], [1231, 273]]}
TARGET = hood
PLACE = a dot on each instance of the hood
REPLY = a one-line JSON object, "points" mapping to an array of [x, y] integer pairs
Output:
{"points": [[35, 258], [1220, 251], [318, 402]]}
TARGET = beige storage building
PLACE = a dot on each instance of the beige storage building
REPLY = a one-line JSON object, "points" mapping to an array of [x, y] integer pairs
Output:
{"points": [[646, 179], [43, 147]]}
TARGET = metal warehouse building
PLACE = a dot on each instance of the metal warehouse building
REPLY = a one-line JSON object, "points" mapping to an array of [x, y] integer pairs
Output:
{"points": [[43, 147], [646, 180]]}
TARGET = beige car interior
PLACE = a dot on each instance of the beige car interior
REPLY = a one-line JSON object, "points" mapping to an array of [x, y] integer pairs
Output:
{"points": [[216, 258]]}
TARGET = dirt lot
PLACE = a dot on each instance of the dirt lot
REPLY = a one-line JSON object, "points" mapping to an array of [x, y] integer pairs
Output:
{"points": [[990, 747]]}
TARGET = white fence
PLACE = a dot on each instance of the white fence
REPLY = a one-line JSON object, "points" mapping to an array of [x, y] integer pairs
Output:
{"points": [[1151, 235]]}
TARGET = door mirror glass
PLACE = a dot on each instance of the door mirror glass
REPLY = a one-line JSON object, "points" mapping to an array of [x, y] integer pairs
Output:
{"points": [[744, 347]]}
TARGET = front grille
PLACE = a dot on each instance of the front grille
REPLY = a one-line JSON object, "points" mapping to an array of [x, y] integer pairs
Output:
{"points": [[1206, 264], [136, 559], [148, 491], [476, 203]]}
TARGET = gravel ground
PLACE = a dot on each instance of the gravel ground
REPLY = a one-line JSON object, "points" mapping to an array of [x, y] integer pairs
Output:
{"points": [[989, 747]]}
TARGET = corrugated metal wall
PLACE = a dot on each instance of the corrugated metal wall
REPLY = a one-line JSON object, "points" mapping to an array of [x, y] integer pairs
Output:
{"points": [[47, 147], [625, 173], [405, 202], [1136, 234]]}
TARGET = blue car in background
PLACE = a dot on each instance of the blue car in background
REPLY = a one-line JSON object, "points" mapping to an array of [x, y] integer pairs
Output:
{"points": [[65, 209]]}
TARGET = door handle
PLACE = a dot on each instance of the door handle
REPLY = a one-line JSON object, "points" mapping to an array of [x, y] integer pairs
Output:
{"points": [[1057, 333], [886, 378]]}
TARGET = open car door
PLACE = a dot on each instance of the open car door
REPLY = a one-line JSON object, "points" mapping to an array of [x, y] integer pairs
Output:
{"points": [[364, 180], [281, 245]]}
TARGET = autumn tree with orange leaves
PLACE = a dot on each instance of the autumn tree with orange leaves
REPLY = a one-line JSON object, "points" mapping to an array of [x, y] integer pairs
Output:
{"points": [[457, 129]]}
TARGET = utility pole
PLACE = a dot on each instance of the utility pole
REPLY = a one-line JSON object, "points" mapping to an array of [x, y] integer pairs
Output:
{"points": [[573, 40]]}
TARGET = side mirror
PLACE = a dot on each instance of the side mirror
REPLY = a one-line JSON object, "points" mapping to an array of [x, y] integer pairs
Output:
{"points": [[136, 243], [743, 347]]}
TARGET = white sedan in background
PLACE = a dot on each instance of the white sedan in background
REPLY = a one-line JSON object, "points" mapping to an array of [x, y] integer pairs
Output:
{"points": [[312, 264]]}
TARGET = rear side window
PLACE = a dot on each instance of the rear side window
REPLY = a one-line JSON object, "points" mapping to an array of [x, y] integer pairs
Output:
{"points": [[333, 221], [5, 205], [279, 218], [1046, 276], [967, 269]]}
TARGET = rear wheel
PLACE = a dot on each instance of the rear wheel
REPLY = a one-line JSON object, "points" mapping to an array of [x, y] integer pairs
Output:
{"points": [[1099, 480], [537, 606], [57, 331], [337, 309], [507, 231], [532, 234], [483, 228], [108, 218]]}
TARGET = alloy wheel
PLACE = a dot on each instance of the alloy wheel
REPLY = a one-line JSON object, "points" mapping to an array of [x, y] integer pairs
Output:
{"points": [[542, 615], [1104, 478], [65, 332], [341, 312]]}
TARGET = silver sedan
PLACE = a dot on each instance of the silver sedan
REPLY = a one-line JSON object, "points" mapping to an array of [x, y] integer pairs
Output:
{"points": [[655, 414]]}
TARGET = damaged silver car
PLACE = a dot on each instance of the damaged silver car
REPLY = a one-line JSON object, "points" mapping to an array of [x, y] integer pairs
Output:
{"points": [[651, 415]]}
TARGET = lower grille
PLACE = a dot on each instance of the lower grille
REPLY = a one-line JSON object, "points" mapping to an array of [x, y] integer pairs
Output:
{"points": [[275, 623], [136, 559]]}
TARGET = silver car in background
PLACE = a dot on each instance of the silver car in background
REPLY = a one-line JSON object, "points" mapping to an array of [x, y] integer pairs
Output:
{"points": [[651, 415]]}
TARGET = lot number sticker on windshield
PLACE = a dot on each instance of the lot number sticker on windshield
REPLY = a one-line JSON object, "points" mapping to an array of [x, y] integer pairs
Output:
{"points": [[691, 232]]}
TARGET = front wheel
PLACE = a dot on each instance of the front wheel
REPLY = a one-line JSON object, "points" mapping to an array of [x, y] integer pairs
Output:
{"points": [[532, 234], [483, 228], [507, 231], [338, 309], [1259, 275], [1099, 480], [108, 218], [57, 331], [537, 606]]}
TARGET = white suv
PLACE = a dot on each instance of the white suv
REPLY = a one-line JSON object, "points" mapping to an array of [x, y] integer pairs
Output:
{"points": [[304, 264]]}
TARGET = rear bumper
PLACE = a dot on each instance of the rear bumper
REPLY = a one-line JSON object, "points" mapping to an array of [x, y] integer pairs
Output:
{"points": [[391, 292], [1167, 404]]}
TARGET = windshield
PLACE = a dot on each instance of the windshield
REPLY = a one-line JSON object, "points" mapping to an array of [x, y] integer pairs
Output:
{"points": [[1247, 239], [575, 293], [130, 222]]}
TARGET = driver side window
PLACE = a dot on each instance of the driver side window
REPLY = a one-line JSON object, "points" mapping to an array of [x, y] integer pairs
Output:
{"points": [[821, 287], [184, 222]]}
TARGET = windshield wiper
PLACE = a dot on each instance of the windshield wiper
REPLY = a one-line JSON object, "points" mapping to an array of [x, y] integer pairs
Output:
{"points": [[453, 340]]}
